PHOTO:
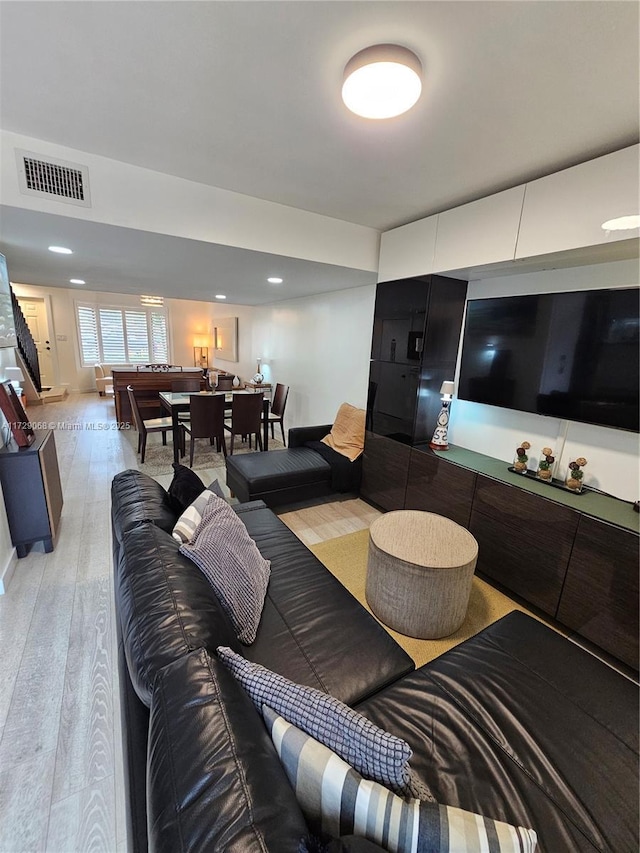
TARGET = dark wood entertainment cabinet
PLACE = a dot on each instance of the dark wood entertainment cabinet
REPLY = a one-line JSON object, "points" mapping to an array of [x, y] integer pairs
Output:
{"points": [[574, 557]]}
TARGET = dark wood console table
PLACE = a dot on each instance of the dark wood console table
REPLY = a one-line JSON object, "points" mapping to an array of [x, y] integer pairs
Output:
{"points": [[574, 557], [32, 492], [147, 385]]}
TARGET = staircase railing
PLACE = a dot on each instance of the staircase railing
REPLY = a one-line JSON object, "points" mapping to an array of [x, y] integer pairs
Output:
{"points": [[26, 344]]}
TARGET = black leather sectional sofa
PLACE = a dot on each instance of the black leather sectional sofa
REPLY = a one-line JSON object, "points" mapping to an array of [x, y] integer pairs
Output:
{"points": [[517, 723], [304, 471]]}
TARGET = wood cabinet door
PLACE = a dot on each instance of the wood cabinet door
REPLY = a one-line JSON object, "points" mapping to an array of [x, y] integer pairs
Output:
{"points": [[481, 232], [385, 465], [524, 541], [435, 485], [566, 210], [600, 595]]}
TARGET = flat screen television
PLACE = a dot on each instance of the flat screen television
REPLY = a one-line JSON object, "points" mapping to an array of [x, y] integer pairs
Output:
{"points": [[569, 355]]}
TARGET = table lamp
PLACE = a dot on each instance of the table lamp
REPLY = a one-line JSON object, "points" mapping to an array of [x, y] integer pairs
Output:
{"points": [[201, 351], [439, 440]]}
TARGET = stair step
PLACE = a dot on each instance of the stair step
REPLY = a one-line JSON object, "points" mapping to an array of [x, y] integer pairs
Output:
{"points": [[54, 394]]}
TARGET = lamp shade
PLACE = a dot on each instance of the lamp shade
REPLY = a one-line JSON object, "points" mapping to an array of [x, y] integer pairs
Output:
{"points": [[447, 388], [382, 81], [14, 374]]}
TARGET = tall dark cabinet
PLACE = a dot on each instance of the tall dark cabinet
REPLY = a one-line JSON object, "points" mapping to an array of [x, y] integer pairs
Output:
{"points": [[416, 333]]}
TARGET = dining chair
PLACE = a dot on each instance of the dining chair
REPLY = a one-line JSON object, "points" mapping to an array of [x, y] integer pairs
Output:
{"points": [[206, 421], [178, 385], [225, 383], [144, 427], [246, 417], [278, 405], [185, 385]]}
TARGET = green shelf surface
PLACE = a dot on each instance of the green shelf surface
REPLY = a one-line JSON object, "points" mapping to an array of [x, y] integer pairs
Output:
{"points": [[603, 507]]}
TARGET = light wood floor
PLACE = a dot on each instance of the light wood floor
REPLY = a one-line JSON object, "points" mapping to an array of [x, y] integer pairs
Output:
{"points": [[61, 775]]}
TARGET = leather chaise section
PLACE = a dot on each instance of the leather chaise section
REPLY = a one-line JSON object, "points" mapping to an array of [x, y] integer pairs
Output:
{"points": [[518, 723], [279, 476], [270, 471]]}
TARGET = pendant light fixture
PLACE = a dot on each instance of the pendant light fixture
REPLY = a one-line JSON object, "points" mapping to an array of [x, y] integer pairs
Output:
{"points": [[382, 81]]}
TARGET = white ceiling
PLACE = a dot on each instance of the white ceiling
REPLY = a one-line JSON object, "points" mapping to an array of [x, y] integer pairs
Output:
{"points": [[244, 96]]}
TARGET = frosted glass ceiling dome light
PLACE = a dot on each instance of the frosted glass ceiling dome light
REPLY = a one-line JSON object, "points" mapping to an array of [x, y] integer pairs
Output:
{"points": [[622, 223], [382, 81]]}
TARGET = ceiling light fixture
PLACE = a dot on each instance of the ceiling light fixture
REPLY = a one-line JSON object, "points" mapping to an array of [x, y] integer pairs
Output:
{"points": [[382, 81], [77, 281], [220, 296], [622, 223], [61, 250], [274, 280]]}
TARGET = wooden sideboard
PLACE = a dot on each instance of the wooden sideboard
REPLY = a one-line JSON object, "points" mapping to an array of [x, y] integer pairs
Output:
{"points": [[147, 384], [32, 491], [573, 557]]}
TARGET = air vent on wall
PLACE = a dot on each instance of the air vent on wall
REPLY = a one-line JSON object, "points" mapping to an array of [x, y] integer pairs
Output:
{"points": [[50, 178]]}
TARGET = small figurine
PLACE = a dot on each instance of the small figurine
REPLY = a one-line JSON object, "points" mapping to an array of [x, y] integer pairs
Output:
{"points": [[545, 466], [574, 474], [520, 462]]}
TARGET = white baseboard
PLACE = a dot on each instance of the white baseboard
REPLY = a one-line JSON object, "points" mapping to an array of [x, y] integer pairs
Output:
{"points": [[7, 573]]}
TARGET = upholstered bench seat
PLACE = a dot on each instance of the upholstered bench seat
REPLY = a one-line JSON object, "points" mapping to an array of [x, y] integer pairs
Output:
{"points": [[279, 476]]}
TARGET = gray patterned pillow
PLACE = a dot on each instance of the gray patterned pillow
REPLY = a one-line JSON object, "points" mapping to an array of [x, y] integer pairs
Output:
{"points": [[229, 558], [336, 799], [187, 524], [373, 752]]}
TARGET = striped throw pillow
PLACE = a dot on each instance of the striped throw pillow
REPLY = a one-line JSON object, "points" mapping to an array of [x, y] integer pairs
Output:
{"points": [[336, 799], [229, 558], [191, 517], [375, 753]]}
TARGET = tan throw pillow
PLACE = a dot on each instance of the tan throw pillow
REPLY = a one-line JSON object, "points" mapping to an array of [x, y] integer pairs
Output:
{"points": [[347, 434]]}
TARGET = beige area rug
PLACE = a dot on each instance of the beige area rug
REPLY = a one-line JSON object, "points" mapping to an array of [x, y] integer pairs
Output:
{"points": [[158, 458], [346, 559]]}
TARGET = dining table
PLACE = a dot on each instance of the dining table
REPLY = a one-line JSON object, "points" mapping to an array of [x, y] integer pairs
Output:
{"points": [[175, 402]]}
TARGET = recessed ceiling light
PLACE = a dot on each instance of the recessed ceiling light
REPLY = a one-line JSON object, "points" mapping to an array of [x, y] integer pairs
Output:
{"points": [[61, 250], [382, 81], [622, 223], [274, 280], [220, 296], [77, 281]]}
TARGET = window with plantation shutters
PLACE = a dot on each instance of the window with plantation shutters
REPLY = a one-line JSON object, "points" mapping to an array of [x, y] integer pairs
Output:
{"points": [[88, 333], [159, 336], [121, 335]]}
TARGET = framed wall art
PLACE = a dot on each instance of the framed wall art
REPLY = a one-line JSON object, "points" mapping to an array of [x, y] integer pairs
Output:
{"points": [[225, 338]]}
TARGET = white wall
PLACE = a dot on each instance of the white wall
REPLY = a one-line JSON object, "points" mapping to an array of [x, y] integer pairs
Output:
{"points": [[320, 346], [131, 197], [612, 454]]}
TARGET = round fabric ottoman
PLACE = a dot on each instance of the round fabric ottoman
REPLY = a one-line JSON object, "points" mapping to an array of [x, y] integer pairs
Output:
{"points": [[420, 572]]}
